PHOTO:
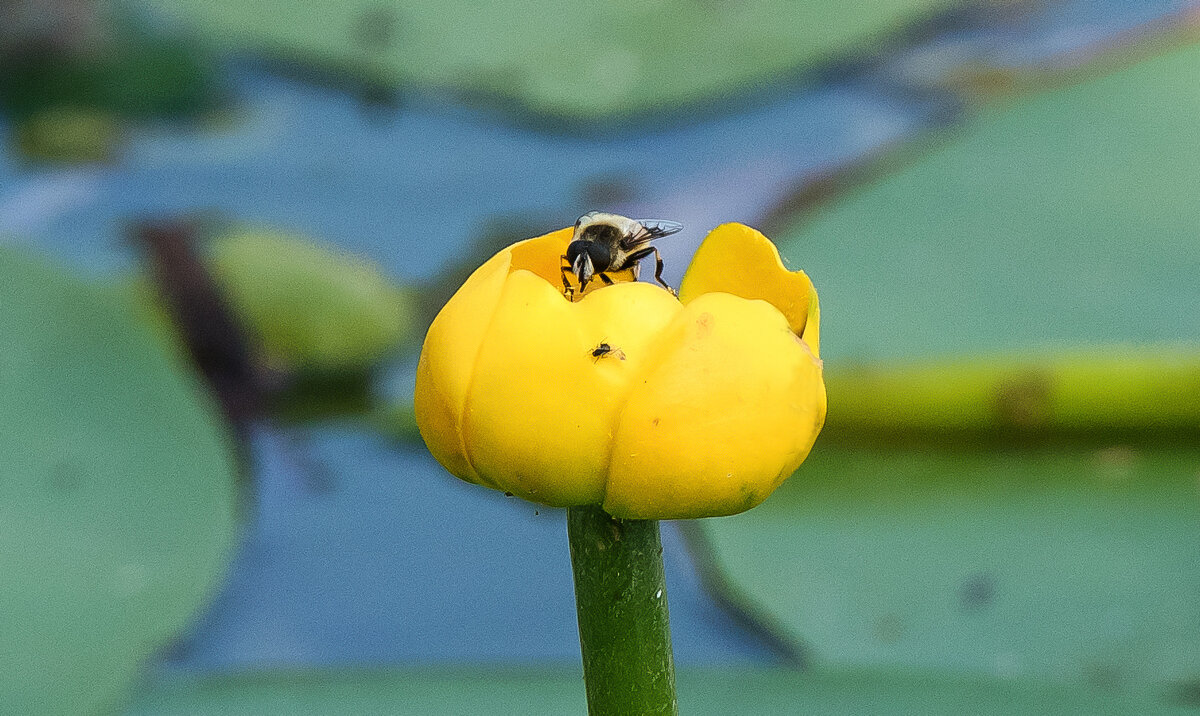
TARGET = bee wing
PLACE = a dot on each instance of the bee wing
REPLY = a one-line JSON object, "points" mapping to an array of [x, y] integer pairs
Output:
{"points": [[651, 229]]}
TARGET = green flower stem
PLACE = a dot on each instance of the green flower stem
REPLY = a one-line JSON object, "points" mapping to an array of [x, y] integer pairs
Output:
{"points": [[624, 628]]}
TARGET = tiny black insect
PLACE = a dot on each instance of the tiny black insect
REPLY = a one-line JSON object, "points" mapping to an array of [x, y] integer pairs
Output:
{"points": [[604, 349], [607, 243]]}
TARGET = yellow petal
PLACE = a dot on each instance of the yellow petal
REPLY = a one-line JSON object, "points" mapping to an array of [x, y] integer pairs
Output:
{"points": [[543, 255], [447, 364], [737, 259], [731, 408], [542, 409], [451, 348], [811, 334]]}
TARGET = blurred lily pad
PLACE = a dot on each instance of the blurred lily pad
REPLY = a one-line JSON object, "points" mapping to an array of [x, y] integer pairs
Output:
{"points": [[1061, 219], [571, 60], [313, 309], [560, 691], [1079, 566], [68, 135], [129, 72], [117, 492]]}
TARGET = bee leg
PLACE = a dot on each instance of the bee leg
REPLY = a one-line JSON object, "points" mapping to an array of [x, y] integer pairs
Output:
{"points": [[568, 289], [658, 265], [658, 269], [604, 277]]}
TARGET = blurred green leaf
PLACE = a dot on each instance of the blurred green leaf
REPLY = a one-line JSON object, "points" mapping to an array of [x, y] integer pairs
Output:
{"points": [[133, 73], [560, 691], [117, 492], [1077, 566], [68, 135], [572, 60], [313, 309], [397, 420], [1064, 218]]}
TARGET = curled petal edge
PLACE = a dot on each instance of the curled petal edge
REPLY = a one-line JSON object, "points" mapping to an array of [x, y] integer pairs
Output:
{"points": [[736, 259]]}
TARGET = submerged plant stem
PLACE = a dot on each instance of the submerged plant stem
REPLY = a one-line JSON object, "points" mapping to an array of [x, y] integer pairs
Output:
{"points": [[624, 628]]}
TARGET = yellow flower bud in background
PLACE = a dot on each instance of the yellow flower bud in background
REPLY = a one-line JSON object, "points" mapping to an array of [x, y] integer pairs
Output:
{"points": [[702, 406]]}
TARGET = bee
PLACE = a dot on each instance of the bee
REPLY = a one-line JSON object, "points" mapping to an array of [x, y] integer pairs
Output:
{"points": [[606, 243], [605, 349]]}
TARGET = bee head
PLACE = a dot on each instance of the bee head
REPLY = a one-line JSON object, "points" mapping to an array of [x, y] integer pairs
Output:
{"points": [[586, 259]]}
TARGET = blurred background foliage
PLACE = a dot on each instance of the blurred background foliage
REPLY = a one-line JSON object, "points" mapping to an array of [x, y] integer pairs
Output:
{"points": [[224, 226], [586, 62]]}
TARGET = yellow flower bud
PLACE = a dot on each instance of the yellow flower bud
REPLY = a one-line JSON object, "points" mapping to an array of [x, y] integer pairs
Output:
{"points": [[702, 406]]}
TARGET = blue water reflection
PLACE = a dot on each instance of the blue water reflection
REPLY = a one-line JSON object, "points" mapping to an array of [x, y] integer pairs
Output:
{"points": [[410, 187], [394, 560]]}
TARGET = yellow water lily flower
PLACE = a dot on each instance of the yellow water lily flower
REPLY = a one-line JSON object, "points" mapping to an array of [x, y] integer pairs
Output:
{"points": [[651, 406]]}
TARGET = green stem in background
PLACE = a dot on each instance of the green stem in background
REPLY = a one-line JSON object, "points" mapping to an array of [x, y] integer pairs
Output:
{"points": [[624, 628], [1118, 391]]}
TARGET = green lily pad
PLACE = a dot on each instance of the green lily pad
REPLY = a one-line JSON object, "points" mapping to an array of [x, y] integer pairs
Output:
{"points": [[117, 492], [572, 60], [68, 135], [313, 309], [1060, 219], [560, 691], [1077, 566]]}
